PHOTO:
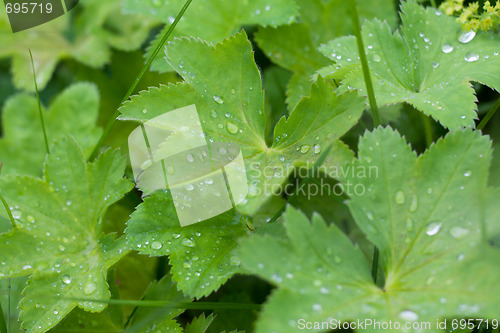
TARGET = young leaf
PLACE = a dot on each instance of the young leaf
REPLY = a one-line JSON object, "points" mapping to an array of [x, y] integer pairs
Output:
{"points": [[425, 220], [57, 237], [429, 65], [74, 111], [295, 46], [87, 37], [161, 319], [202, 255], [224, 83], [199, 324], [212, 20]]}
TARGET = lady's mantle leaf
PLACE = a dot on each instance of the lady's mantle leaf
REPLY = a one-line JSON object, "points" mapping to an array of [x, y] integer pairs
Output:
{"points": [[429, 66], [202, 255], [211, 20], [74, 112], [58, 236], [225, 85], [425, 220]]}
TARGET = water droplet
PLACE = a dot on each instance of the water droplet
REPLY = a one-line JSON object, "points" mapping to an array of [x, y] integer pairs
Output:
{"points": [[459, 232], [218, 99], [324, 290], [467, 173], [433, 228], [408, 315], [189, 187], [471, 57], [409, 224], [144, 111], [16, 214], [447, 48], [89, 288], [235, 261], [414, 203], [317, 149], [317, 307], [369, 215], [214, 113], [231, 128], [233, 91], [400, 197], [156, 245], [190, 158], [435, 64], [304, 149], [170, 170], [187, 264], [68, 202], [376, 58], [467, 36], [188, 242]]}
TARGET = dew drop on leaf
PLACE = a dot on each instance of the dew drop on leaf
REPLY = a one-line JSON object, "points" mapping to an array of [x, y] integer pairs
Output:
{"points": [[231, 128], [471, 57], [400, 197], [66, 279], [317, 149], [408, 315], [369, 215], [459, 232], [214, 113], [467, 36], [376, 58], [414, 203], [89, 288], [435, 64], [447, 48], [188, 242], [218, 99], [190, 158], [433, 228], [317, 307], [156, 245], [304, 149], [467, 173]]}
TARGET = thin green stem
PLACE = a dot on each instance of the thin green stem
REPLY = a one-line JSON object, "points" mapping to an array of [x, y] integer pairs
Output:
{"points": [[170, 304], [364, 64], [428, 130], [132, 88], [433, 3], [371, 98], [489, 115], [6, 205], [8, 307], [376, 254], [47, 148]]}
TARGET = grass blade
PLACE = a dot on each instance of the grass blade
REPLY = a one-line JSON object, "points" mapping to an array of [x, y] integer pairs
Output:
{"points": [[111, 122], [39, 105]]}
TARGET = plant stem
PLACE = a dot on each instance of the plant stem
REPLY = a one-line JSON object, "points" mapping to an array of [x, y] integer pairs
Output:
{"points": [[376, 254], [433, 3], [174, 305], [111, 122], [364, 64], [427, 129], [488, 116], [371, 98], [47, 148], [6, 205]]}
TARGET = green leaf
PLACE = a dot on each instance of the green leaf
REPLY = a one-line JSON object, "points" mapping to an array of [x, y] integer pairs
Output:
{"points": [[427, 66], [73, 112], [211, 20], [426, 220], [57, 237], [147, 319], [199, 324], [85, 34], [225, 85], [202, 255], [295, 46]]}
